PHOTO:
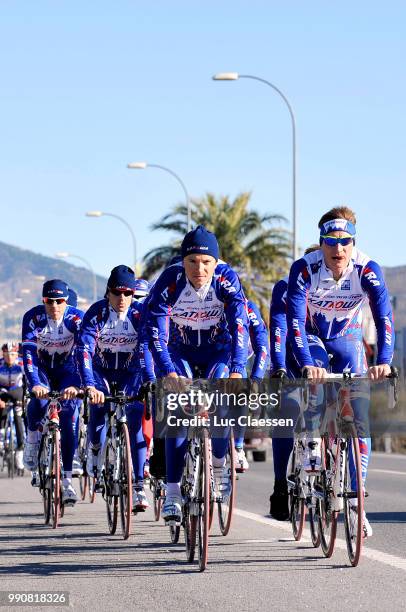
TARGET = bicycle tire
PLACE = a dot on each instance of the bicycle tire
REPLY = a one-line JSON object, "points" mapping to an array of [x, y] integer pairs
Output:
{"points": [[174, 532], [56, 477], [328, 516], [225, 510], [110, 499], [354, 549], [125, 481], [190, 530], [10, 447], [203, 518], [44, 480], [297, 508]]}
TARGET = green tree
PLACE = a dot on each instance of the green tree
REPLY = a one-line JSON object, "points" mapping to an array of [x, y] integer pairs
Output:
{"points": [[256, 246]]}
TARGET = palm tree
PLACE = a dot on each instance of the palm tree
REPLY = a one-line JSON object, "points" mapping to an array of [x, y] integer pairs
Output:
{"points": [[255, 245]]}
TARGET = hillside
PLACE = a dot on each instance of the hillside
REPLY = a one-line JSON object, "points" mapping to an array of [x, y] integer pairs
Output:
{"points": [[21, 280]]}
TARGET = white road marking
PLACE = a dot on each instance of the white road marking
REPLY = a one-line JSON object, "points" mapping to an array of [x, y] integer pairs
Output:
{"points": [[369, 553], [399, 473]]}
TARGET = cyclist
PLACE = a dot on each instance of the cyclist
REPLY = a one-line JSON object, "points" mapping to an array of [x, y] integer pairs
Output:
{"points": [[11, 388], [108, 355], [330, 286], [258, 348], [284, 364], [50, 332], [196, 318]]}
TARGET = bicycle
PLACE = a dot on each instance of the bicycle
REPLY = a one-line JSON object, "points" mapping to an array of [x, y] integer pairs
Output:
{"points": [[330, 491], [49, 461], [86, 482], [10, 441], [116, 473]]}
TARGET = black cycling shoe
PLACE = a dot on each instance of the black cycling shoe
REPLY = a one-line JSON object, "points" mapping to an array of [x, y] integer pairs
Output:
{"points": [[279, 508]]}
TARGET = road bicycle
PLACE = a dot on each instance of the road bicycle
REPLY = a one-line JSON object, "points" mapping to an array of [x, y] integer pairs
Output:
{"points": [[116, 472], [8, 454]]}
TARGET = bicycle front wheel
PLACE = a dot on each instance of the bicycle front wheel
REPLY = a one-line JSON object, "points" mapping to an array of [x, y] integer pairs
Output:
{"points": [[353, 502], [226, 505], [125, 481], [203, 518], [110, 494], [56, 478], [297, 506], [44, 478], [328, 516]]}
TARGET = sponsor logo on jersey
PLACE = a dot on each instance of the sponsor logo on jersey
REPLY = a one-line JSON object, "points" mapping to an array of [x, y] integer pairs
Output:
{"points": [[297, 334], [371, 276], [224, 282], [346, 285]]}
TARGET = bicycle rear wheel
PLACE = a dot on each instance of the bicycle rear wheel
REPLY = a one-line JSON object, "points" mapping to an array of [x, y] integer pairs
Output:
{"points": [[226, 506], [353, 514], [328, 516], [125, 481], [203, 518], [297, 508], [56, 478], [314, 512], [110, 494]]}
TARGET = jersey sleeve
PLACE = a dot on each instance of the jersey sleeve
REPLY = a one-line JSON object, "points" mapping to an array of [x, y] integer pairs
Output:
{"points": [[373, 283], [296, 300], [157, 320], [235, 310], [86, 345], [259, 341], [29, 343], [144, 352], [278, 326]]}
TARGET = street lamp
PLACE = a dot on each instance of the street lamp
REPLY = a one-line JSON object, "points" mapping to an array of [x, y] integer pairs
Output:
{"points": [[143, 165], [99, 213], [65, 255], [234, 76]]}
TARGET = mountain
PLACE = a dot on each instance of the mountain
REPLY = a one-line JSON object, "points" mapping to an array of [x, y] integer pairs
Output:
{"points": [[22, 275]]}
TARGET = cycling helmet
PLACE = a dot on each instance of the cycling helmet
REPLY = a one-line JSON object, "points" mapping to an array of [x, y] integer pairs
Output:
{"points": [[142, 288], [10, 347]]}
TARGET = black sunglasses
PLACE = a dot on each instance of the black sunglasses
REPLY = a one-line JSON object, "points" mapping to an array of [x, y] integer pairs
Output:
{"points": [[117, 292]]}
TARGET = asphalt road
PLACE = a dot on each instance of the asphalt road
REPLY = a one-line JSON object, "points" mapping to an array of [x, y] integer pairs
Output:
{"points": [[257, 566]]}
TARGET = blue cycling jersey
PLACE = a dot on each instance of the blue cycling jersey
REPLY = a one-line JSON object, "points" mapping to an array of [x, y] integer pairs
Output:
{"points": [[278, 329], [11, 377], [109, 341], [259, 341], [48, 344], [330, 309], [213, 318]]}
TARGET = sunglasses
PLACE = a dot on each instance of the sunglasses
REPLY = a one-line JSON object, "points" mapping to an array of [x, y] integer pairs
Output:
{"points": [[117, 292], [47, 300], [332, 241]]}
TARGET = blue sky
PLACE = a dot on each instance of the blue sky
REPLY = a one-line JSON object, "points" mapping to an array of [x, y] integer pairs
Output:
{"points": [[88, 86]]}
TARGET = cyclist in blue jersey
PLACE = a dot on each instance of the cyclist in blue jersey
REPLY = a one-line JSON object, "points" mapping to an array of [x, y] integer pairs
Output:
{"points": [[108, 355], [284, 364], [50, 332], [258, 348], [11, 388], [326, 292], [197, 319]]}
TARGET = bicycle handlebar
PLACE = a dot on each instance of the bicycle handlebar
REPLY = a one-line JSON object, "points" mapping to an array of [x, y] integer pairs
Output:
{"points": [[55, 395]]}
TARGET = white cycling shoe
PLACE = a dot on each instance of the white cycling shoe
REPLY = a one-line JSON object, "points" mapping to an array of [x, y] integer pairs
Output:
{"points": [[19, 459], [30, 456], [77, 469], [69, 494], [312, 455], [172, 508], [242, 464], [140, 502], [222, 483], [368, 531]]}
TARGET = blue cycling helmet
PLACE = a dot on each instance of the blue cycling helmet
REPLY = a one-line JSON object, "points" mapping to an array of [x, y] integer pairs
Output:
{"points": [[142, 288]]}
